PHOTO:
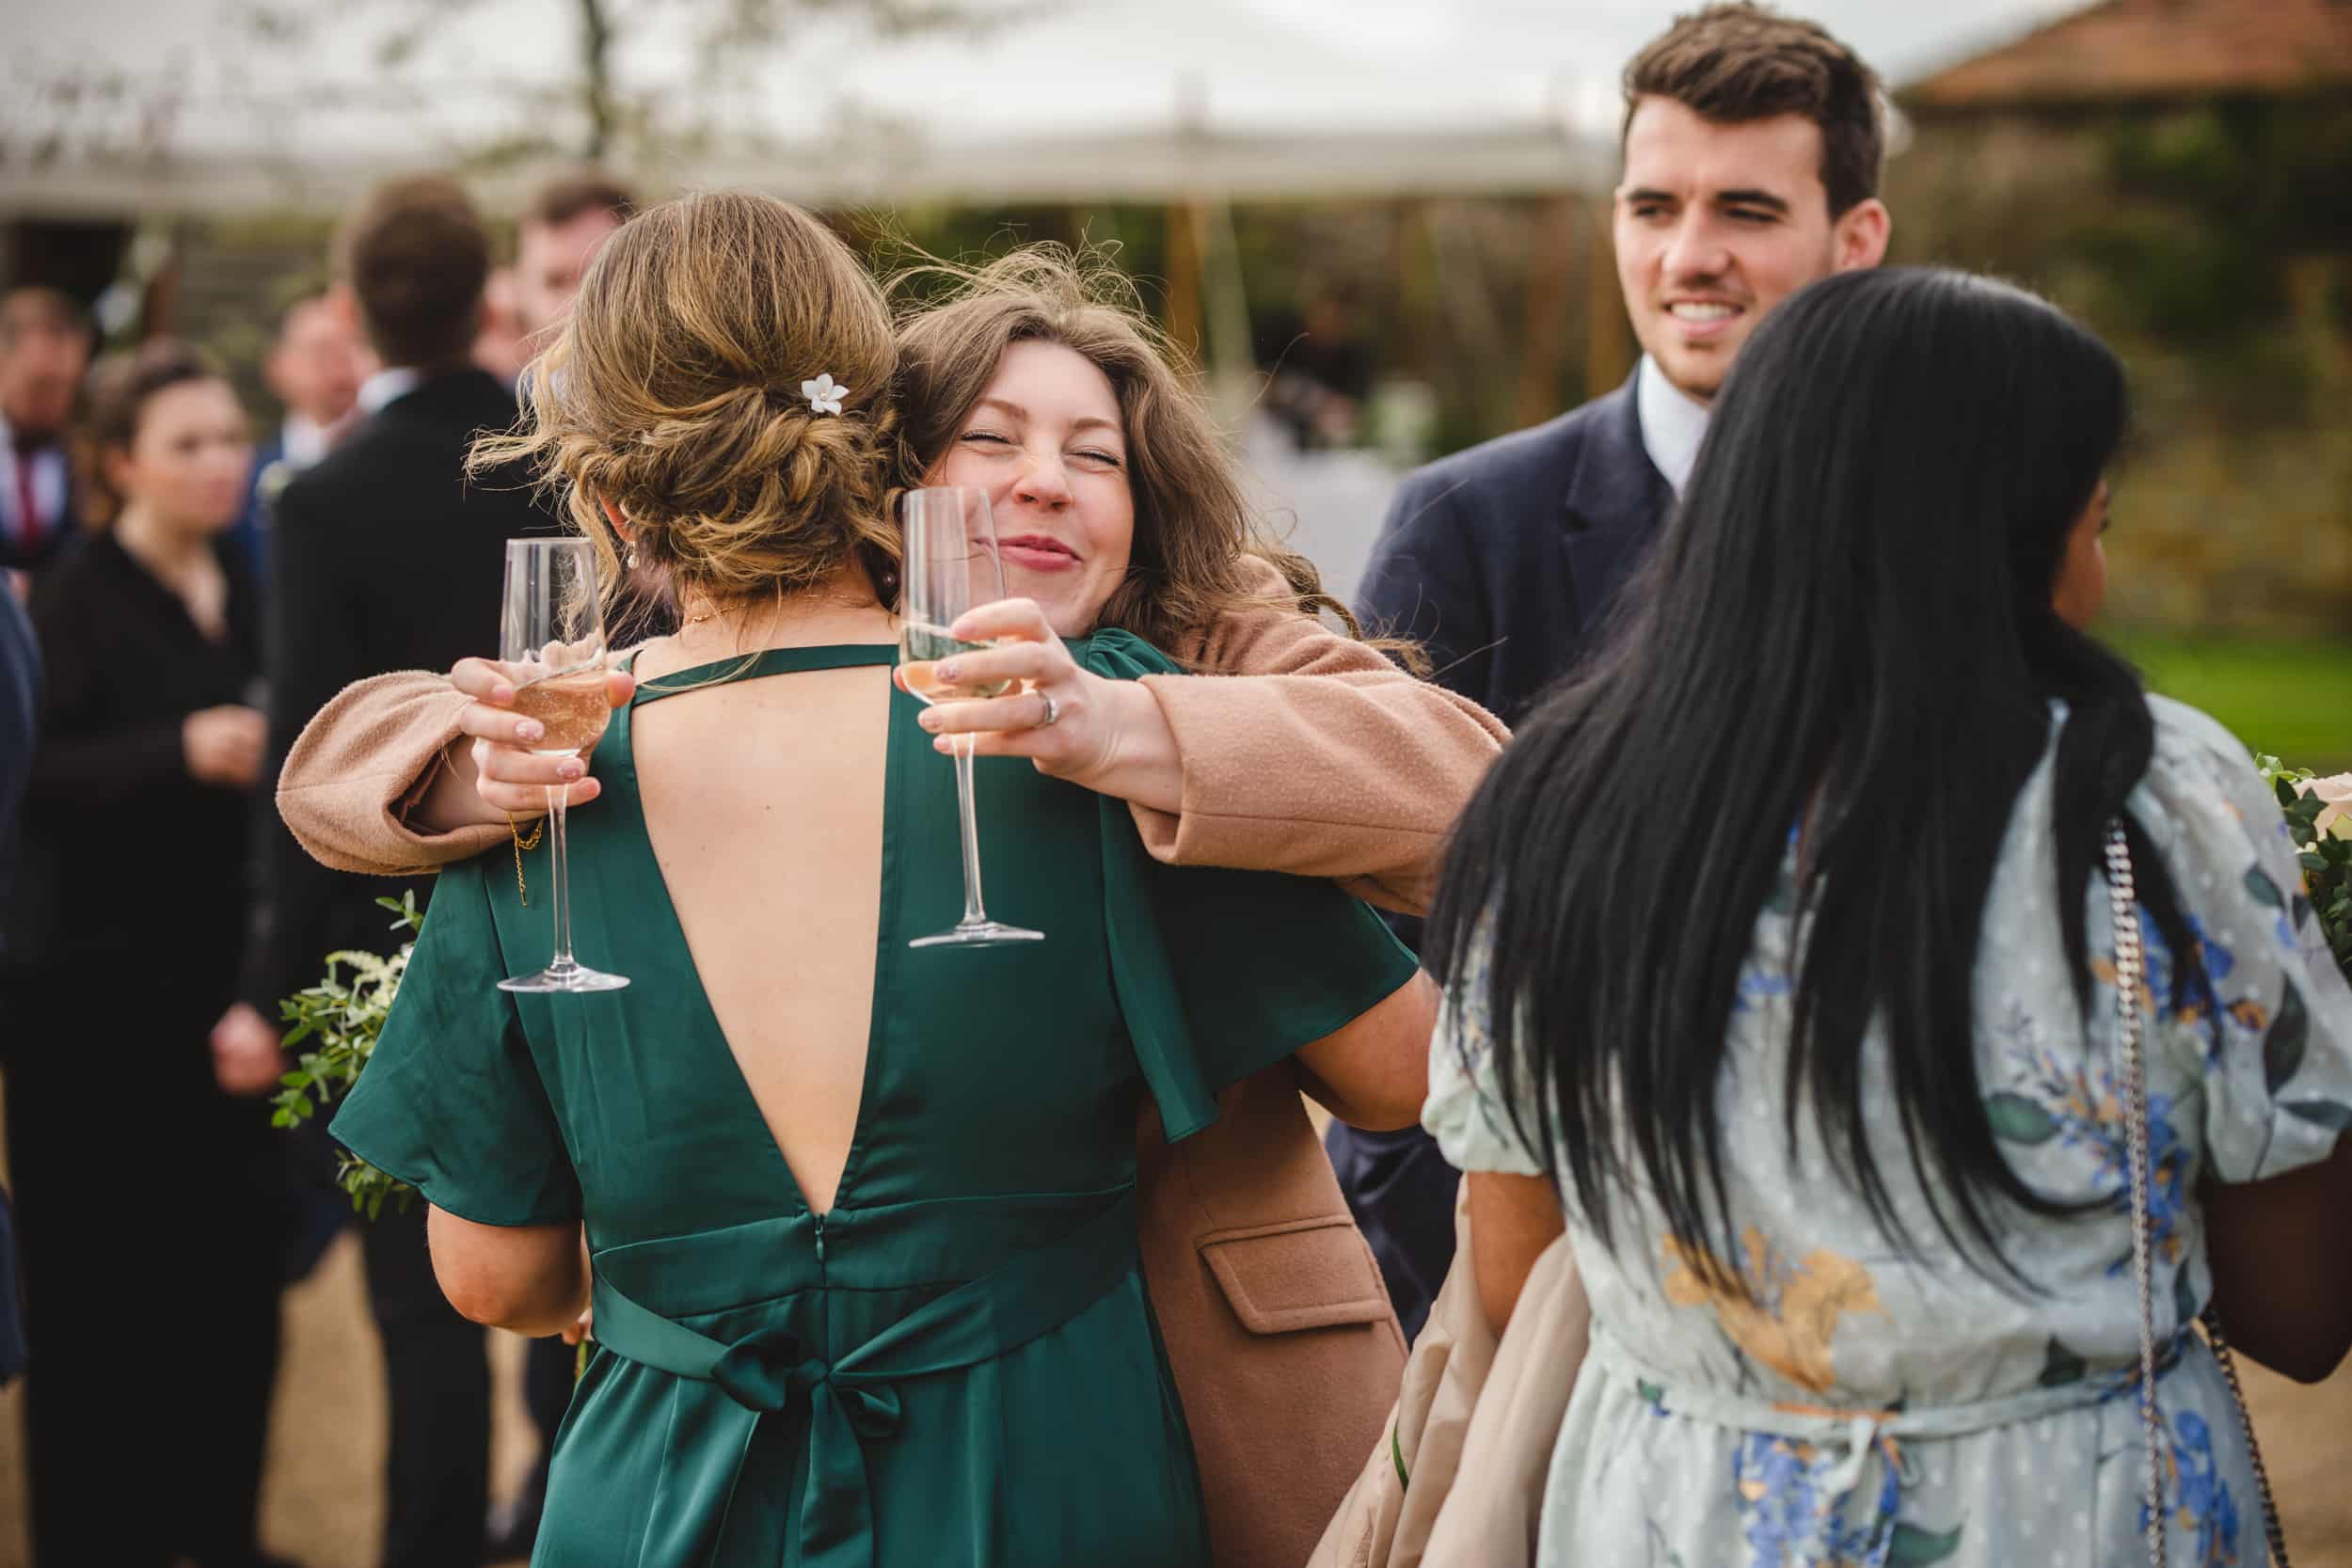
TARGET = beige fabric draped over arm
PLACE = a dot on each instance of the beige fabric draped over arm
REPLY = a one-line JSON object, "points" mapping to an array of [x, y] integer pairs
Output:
{"points": [[361, 762], [1328, 761], [1325, 761]]}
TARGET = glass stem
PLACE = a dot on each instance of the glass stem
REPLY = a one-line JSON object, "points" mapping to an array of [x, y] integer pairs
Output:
{"points": [[973, 913], [560, 881]]}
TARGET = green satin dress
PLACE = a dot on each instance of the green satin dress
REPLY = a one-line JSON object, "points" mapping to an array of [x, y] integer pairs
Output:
{"points": [[957, 1364]]}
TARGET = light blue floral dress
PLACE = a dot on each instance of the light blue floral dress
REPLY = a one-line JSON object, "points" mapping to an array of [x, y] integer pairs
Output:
{"points": [[1869, 1409]]}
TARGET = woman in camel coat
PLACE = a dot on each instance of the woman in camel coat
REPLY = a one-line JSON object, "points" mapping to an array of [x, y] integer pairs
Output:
{"points": [[1295, 749]]}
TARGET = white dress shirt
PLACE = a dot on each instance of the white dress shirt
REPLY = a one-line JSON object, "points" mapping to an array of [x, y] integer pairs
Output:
{"points": [[52, 486], [304, 440], [387, 385], [1673, 423]]}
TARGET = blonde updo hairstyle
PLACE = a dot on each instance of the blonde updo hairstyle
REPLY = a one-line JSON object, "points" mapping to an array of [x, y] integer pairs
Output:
{"points": [[1195, 527], [673, 392]]}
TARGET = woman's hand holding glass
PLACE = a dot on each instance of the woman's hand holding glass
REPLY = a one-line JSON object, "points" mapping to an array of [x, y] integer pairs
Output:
{"points": [[509, 774], [494, 776], [1103, 735]]}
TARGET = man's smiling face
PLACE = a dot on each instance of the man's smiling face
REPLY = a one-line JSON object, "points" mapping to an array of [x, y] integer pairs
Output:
{"points": [[1715, 224]]}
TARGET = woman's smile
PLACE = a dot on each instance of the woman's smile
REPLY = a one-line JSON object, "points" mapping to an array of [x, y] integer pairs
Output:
{"points": [[1038, 552]]}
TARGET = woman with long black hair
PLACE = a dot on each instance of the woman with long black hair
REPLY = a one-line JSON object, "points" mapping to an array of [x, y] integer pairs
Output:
{"points": [[1777, 957]]}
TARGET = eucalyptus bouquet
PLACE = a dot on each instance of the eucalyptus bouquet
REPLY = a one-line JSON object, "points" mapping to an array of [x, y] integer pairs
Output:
{"points": [[2319, 812], [339, 1017]]}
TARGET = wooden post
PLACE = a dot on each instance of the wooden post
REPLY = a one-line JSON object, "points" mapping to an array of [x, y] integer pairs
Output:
{"points": [[1184, 279], [1609, 348], [1549, 302]]}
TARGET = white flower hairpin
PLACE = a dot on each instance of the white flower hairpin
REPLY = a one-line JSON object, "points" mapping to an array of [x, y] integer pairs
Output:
{"points": [[824, 395]]}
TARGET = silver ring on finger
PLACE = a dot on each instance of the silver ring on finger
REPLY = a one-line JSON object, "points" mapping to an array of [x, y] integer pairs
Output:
{"points": [[1053, 712]]}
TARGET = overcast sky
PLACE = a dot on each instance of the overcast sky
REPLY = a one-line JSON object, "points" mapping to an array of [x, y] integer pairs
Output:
{"points": [[1098, 64]]}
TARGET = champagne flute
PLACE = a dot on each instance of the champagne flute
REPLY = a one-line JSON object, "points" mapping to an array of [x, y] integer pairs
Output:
{"points": [[952, 565], [551, 642]]}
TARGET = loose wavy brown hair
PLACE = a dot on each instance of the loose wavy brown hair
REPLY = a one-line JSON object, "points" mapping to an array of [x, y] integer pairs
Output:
{"points": [[673, 391], [1193, 524]]}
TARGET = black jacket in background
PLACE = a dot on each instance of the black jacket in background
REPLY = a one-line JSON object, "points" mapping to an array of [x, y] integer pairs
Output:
{"points": [[129, 865], [384, 556]]}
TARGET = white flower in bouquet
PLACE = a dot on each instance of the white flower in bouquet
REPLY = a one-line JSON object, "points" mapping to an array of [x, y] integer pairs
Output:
{"points": [[2336, 792]]}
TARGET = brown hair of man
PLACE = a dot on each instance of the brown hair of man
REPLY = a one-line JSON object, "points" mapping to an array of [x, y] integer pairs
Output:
{"points": [[417, 254], [1736, 63], [39, 305], [577, 191]]}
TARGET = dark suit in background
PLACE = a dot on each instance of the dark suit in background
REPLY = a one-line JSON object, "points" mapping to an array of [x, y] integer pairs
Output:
{"points": [[1503, 561], [384, 556]]}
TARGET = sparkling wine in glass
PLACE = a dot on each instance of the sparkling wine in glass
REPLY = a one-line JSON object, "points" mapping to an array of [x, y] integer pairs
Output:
{"points": [[951, 565], [551, 644]]}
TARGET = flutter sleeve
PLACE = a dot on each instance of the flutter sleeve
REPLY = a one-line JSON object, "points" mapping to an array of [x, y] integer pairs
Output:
{"points": [[452, 1101], [2269, 1031], [1465, 1111]]}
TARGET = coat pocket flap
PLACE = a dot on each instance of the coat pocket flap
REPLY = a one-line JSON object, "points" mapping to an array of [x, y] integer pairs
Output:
{"points": [[1299, 1273]]}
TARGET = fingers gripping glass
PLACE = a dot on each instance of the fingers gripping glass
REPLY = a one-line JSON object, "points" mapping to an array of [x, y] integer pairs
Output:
{"points": [[951, 565], [551, 643]]}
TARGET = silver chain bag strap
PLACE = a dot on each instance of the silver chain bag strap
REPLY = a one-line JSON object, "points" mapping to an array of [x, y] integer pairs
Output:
{"points": [[2130, 965]]}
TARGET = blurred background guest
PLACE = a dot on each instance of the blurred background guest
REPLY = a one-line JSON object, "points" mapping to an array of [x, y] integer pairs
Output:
{"points": [[498, 344], [570, 218], [45, 348], [315, 368], [133, 887], [384, 557]]}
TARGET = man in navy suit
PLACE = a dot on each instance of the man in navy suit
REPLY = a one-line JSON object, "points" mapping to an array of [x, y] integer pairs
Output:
{"points": [[315, 368], [1751, 145]]}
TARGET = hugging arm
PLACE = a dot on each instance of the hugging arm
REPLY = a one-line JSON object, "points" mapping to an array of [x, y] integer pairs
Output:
{"points": [[1308, 751]]}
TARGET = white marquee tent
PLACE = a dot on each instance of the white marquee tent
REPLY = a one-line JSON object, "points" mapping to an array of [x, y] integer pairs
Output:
{"points": [[121, 106]]}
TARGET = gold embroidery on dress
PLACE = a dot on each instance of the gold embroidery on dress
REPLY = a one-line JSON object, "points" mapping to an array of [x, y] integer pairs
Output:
{"points": [[1788, 1318]]}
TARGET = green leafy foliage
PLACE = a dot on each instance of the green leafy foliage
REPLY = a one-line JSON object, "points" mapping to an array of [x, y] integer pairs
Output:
{"points": [[2326, 861], [333, 1026]]}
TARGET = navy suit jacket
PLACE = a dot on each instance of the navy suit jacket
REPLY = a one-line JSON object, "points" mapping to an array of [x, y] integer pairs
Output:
{"points": [[251, 531], [1503, 560]]}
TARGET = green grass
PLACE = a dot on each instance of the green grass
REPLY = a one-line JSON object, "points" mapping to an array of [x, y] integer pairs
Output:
{"points": [[2293, 699]]}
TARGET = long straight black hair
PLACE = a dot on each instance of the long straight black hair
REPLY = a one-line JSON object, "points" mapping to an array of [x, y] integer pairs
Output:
{"points": [[1847, 623]]}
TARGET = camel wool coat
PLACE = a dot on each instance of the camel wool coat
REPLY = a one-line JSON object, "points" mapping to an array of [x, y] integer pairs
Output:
{"points": [[1331, 762]]}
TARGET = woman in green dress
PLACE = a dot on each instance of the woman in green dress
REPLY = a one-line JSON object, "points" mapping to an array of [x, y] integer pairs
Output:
{"points": [[858, 1217]]}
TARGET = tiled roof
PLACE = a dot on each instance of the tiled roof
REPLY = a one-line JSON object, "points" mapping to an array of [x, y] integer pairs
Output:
{"points": [[2154, 49]]}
